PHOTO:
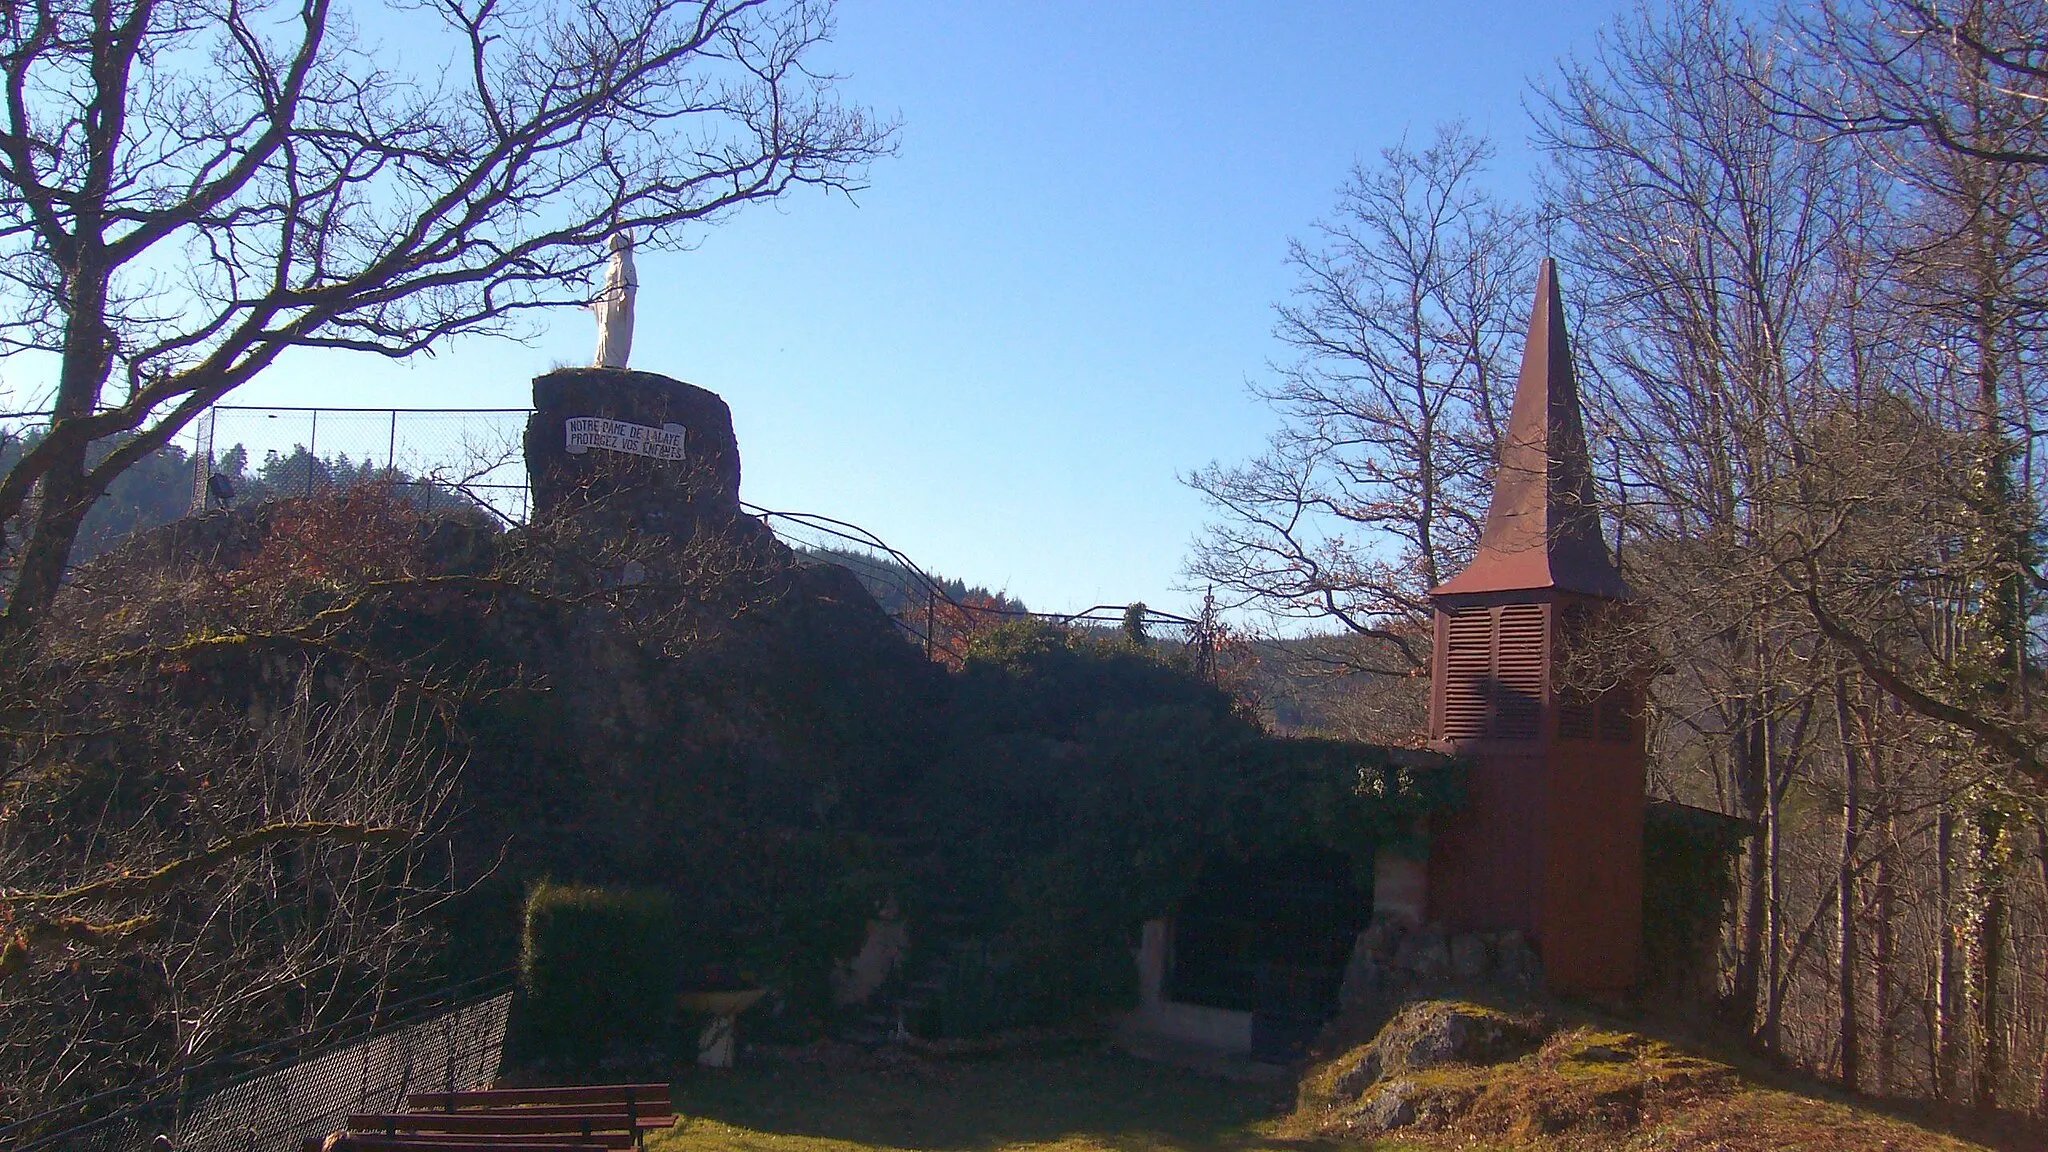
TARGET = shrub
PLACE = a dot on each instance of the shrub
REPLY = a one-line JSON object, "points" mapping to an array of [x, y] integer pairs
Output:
{"points": [[598, 971]]}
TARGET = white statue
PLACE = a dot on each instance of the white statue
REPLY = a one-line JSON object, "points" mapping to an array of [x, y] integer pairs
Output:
{"points": [[614, 305]]}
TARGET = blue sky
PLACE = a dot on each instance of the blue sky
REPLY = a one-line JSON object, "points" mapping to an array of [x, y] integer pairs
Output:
{"points": [[1047, 307]]}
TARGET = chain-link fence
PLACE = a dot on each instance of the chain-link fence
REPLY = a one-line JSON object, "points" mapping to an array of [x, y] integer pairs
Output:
{"points": [[451, 455], [453, 1049]]}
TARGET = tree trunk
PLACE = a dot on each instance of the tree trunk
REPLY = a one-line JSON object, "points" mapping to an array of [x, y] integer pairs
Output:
{"points": [[1988, 957], [1948, 978], [64, 497], [1846, 974], [1751, 790], [2041, 860], [1883, 957], [1774, 878]]}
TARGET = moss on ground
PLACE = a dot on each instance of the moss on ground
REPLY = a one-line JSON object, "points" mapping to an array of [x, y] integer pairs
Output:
{"points": [[1589, 1085]]}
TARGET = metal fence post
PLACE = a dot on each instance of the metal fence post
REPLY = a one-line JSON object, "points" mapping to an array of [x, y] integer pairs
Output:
{"points": [[202, 458]]}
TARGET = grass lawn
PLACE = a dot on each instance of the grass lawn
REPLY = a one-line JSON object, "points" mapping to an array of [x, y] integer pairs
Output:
{"points": [[1079, 1101]]}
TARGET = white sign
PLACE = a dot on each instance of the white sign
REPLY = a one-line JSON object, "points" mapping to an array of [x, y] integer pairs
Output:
{"points": [[587, 432]]}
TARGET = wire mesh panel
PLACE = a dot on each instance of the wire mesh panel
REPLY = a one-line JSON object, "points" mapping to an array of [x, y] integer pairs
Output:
{"points": [[277, 1109], [453, 454], [274, 1112]]}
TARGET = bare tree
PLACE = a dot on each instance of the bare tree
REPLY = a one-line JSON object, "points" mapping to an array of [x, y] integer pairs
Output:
{"points": [[1893, 69], [1405, 312], [1815, 355], [1812, 350], [191, 188], [275, 877], [1703, 234]]}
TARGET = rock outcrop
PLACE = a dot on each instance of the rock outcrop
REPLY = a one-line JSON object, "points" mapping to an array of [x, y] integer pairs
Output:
{"points": [[1488, 1071], [654, 492]]}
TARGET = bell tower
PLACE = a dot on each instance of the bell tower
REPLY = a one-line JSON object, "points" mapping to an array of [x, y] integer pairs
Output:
{"points": [[1550, 839]]}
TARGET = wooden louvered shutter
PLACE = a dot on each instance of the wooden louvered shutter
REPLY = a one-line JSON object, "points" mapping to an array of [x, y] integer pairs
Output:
{"points": [[1521, 671], [1468, 666], [1577, 706], [1575, 712], [1617, 725], [1496, 662]]}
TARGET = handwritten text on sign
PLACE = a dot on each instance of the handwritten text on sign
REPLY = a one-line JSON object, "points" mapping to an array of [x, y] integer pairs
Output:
{"points": [[587, 432]]}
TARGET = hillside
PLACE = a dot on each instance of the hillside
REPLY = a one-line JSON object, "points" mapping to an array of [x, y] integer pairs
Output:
{"points": [[898, 589]]}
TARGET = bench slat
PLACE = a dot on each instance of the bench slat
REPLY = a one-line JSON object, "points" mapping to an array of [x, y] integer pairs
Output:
{"points": [[641, 1112], [489, 1124], [640, 1118], [606, 1141], [457, 1144], [573, 1094]]}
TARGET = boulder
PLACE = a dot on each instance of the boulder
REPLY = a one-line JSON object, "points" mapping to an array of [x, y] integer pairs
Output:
{"points": [[1469, 962], [1448, 1031], [1515, 964], [630, 466], [1424, 953], [1426, 1034], [1393, 1106]]}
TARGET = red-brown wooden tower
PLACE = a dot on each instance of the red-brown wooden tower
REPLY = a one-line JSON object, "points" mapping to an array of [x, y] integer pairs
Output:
{"points": [[1550, 839]]}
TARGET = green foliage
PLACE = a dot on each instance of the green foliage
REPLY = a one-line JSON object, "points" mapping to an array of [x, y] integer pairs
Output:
{"points": [[1084, 784], [987, 989], [597, 968], [756, 772], [785, 764], [1688, 886], [1134, 625], [814, 902]]}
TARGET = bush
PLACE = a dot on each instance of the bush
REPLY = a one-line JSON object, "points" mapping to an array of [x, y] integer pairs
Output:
{"points": [[597, 967]]}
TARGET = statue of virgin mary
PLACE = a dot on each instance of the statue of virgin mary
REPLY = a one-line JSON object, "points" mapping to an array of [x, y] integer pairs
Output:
{"points": [[614, 305]]}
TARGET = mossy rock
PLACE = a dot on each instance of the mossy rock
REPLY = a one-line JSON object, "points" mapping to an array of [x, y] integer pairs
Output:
{"points": [[1590, 1080], [1480, 1070], [1420, 1037]]}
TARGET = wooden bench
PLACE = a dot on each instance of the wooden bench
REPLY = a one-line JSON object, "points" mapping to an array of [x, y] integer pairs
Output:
{"points": [[645, 1107], [639, 1113]]}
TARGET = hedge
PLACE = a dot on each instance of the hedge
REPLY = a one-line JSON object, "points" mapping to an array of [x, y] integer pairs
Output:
{"points": [[597, 970]]}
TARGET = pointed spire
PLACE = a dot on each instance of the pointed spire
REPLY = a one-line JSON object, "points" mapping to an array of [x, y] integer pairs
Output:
{"points": [[1543, 528]]}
